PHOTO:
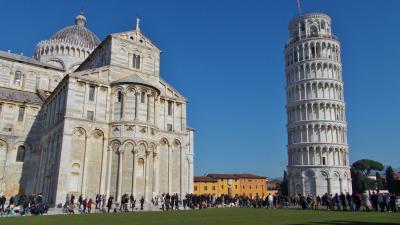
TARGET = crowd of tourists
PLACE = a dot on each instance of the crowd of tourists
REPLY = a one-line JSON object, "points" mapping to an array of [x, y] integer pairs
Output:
{"points": [[374, 201], [23, 205], [35, 205]]}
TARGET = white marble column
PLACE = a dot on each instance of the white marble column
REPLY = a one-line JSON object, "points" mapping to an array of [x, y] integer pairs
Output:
{"points": [[146, 177], [134, 152], [136, 105], [119, 189], [169, 168], [155, 173]]}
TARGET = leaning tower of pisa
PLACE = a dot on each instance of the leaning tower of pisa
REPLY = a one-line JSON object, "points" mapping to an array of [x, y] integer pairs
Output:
{"points": [[318, 156]]}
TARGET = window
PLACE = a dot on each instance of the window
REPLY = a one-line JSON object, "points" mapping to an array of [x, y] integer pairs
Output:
{"points": [[222, 186], [142, 97], [169, 127], [213, 188], [169, 108], [136, 61], [91, 92], [205, 188], [119, 96], [17, 78], [20, 154], [323, 161], [21, 113], [243, 187], [235, 186], [90, 115], [195, 188]]}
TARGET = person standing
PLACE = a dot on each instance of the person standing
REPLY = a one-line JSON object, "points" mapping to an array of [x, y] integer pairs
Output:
{"points": [[80, 200], [141, 203], [89, 205], [3, 200], [132, 199], [73, 200], [270, 200], [109, 203]]}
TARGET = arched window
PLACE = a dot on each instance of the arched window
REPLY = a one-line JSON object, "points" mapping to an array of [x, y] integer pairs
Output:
{"points": [[136, 61], [20, 154], [119, 96], [17, 78], [140, 167], [142, 97], [313, 31]]}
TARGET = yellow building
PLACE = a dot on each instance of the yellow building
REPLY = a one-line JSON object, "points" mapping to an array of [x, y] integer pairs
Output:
{"points": [[231, 184]]}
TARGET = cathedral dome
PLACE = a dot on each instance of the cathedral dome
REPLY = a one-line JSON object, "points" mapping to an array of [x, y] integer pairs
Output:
{"points": [[77, 33], [68, 47]]}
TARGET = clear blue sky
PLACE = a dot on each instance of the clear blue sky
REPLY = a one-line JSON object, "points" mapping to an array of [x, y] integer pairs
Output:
{"points": [[226, 56]]}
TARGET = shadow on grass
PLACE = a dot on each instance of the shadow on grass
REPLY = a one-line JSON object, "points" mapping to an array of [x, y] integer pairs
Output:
{"points": [[344, 222]]}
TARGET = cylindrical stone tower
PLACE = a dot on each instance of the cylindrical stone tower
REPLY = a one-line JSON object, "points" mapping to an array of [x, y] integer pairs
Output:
{"points": [[318, 159]]}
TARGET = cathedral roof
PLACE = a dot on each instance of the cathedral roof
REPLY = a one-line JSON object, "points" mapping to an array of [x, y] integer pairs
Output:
{"points": [[135, 79], [20, 96], [77, 33], [27, 60]]}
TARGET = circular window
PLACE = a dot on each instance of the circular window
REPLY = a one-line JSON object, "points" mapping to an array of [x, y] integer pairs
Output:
{"points": [[131, 37]]}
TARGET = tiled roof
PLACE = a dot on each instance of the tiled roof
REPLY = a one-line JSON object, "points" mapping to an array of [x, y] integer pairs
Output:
{"points": [[235, 176], [204, 179], [249, 175], [20, 96], [135, 79], [28, 60], [222, 176]]}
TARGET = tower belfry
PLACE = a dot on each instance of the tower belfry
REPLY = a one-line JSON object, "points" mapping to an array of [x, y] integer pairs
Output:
{"points": [[318, 155]]}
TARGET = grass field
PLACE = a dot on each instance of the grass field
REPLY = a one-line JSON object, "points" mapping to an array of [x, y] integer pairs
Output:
{"points": [[214, 217]]}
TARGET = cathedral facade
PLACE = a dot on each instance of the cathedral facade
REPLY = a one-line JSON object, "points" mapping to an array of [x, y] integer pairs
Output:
{"points": [[91, 117]]}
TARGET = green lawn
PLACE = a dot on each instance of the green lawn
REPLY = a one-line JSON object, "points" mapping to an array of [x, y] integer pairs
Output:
{"points": [[214, 217]]}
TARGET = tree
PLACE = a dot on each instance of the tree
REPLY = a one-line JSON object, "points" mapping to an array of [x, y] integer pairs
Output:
{"points": [[283, 187], [359, 175], [379, 181], [365, 166], [389, 178]]}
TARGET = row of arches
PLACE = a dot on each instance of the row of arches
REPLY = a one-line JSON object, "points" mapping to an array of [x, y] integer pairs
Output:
{"points": [[315, 90], [318, 155], [314, 70], [316, 111], [323, 49], [134, 103], [320, 182], [318, 133], [62, 50], [310, 27], [144, 169]]}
